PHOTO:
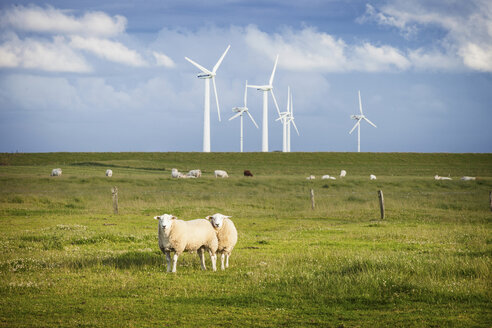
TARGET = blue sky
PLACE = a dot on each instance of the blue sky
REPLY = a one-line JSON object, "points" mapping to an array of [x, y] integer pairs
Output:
{"points": [[111, 75]]}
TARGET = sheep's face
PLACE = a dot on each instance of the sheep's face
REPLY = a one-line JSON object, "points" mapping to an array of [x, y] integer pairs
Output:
{"points": [[217, 220], [165, 221]]}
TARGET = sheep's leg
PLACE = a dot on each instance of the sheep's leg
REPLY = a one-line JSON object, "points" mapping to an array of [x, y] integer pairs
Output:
{"points": [[175, 261], [227, 260], [213, 258], [222, 261], [168, 260], [201, 255]]}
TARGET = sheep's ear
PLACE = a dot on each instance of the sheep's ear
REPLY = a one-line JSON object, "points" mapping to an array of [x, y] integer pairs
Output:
{"points": [[227, 217], [174, 218], [208, 217], [157, 217]]}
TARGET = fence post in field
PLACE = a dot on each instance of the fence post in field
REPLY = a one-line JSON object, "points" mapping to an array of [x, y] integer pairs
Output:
{"points": [[312, 199], [114, 192], [490, 200], [381, 203]]}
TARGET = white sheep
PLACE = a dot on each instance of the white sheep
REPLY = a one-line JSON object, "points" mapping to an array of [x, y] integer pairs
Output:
{"points": [[311, 177], [194, 173], [56, 172], [343, 173], [325, 177], [226, 235], [465, 178], [109, 173], [221, 174], [372, 177], [436, 177], [179, 236], [176, 174]]}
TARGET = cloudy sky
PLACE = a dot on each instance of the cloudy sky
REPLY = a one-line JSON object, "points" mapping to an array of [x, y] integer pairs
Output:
{"points": [[111, 75]]}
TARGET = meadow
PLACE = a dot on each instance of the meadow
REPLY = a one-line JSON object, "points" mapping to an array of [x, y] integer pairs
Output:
{"points": [[66, 260]]}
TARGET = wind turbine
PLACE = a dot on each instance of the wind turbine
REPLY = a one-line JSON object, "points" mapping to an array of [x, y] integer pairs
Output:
{"points": [[207, 75], [287, 118], [240, 111], [266, 88], [359, 118]]}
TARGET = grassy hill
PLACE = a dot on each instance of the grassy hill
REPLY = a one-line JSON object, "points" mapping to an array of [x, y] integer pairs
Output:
{"points": [[67, 260]]}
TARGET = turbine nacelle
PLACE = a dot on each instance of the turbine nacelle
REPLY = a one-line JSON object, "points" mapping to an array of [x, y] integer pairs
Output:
{"points": [[205, 76]]}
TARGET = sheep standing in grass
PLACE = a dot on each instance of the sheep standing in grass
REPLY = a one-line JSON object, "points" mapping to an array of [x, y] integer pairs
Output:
{"points": [[56, 172], [194, 173], [343, 173], [436, 177], [327, 177], [226, 235], [465, 178], [176, 174], [179, 236], [372, 177], [221, 174], [109, 173]]}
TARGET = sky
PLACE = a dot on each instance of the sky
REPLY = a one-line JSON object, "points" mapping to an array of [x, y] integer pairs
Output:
{"points": [[110, 76]]}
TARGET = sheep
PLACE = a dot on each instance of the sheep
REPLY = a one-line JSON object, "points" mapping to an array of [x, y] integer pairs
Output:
{"points": [[325, 177], [436, 177], [179, 236], [372, 177], [56, 172], [176, 174], [221, 174], [311, 177], [247, 173], [194, 174], [226, 235], [465, 178], [109, 173], [343, 173]]}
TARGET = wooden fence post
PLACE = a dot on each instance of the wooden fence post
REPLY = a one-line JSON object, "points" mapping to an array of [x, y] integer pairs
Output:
{"points": [[312, 199], [490, 200], [381, 203], [114, 192]]}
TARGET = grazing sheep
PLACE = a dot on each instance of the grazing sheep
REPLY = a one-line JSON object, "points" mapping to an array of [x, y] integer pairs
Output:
{"points": [[343, 173], [325, 177], [179, 236], [247, 173], [194, 174], [109, 173], [226, 235], [372, 177], [56, 172], [221, 174], [465, 178], [176, 174], [436, 177], [311, 177]]}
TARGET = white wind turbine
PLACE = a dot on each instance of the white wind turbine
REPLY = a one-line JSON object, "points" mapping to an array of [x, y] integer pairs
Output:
{"points": [[240, 111], [266, 88], [359, 118], [207, 75], [287, 118]]}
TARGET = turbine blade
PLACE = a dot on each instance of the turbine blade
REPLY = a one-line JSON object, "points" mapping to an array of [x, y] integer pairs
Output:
{"points": [[273, 72], [255, 86], [200, 67], [356, 124], [295, 127], [288, 98], [251, 117], [275, 101], [291, 105], [360, 105], [216, 97], [246, 94], [374, 125], [221, 59], [233, 117], [283, 115]]}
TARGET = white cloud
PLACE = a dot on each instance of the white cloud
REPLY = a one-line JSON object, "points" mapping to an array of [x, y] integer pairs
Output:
{"points": [[55, 56], [110, 50], [163, 60], [57, 21], [370, 58]]}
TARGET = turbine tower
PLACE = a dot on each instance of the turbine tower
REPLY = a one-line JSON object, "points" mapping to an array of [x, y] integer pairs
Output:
{"points": [[359, 118], [266, 88], [240, 111], [287, 118], [207, 75]]}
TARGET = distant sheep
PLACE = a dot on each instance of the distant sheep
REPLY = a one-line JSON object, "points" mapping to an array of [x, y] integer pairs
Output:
{"points": [[194, 173], [221, 174], [436, 177], [343, 173], [109, 173], [372, 177], [325, 177], [56, 172], [465, 178], [311, 177], [247, 173], [179, 236], [226, 236]]}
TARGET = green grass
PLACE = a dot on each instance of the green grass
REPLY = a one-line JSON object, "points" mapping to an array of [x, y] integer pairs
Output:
{"points": [[67, 261]]}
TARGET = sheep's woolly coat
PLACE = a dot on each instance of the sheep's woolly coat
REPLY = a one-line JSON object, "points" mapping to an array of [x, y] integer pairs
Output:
{"points": [[227, 237], [191, 235]]}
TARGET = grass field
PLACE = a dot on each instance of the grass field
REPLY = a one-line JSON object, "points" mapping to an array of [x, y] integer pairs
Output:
{"points": [[67, 261]]}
